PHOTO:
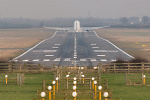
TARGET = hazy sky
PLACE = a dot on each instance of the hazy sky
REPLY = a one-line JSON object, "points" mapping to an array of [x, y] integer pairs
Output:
{"points": [[74, 8]]}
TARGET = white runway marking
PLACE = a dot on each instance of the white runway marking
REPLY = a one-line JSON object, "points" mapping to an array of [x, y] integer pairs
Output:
{"points": [[92, 59], [46, 60], [35, 60], [67, 59], [55, 47], [25, 60], [57, 59], [82, 59], [95, 47], [93, 44], [44, 50], [113, 51], [49, 55], [75, 57], [101, 55], [103, 60], [35, 46], [113, 60], [15, 60], [57, 44], [50, 50]]}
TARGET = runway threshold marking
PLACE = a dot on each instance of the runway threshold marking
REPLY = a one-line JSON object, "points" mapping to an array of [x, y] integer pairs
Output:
{"points": [[103, 60], [35, 60], [82, 59], [55, 47], [101, 55], [95, 47], [57, 59], [25, 60], [67, 59], [46, 60], [49, 55]]}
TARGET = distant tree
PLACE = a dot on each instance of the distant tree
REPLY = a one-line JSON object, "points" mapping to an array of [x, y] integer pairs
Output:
{"points": [[145, 19], [124, 20]]}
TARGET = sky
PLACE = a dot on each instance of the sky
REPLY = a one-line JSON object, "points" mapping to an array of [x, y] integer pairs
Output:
{"points": [[49, 9]]}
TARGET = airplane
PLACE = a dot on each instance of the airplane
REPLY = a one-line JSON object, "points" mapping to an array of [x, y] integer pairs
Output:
{"points": [[76, 27]]}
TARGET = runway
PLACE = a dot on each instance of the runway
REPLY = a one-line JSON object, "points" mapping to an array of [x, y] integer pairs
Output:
{"points": [[73, 49]]}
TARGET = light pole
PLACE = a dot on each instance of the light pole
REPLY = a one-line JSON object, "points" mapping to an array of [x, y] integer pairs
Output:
{"points": [[74, 88], [74, 94], [67, 80], [57, 83], [49, 88], [53, 89], [43, 94], [95, 82], [100, 88], [144, 79], [105, 95], [82, 78], [6, 76]]}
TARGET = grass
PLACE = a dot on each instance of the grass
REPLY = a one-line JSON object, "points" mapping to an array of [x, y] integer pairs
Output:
{"points": [[33, 82]]}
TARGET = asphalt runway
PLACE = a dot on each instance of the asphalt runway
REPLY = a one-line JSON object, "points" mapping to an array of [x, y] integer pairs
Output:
{"points": [[73, 49]]}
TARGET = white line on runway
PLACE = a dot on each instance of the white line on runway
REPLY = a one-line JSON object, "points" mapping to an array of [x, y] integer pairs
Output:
{"points": [[114, 45], [82, 59], [57, 59], [49, 55], [35, 46], [15, 60], [67, 59], [103, 60], [57, 44], [50, 50], [93, 44], [46, 60], [101, 55], [105, 51], [54, 47], [93, 59], [25, 60], [95, 47], [113, 60], [36, 60]]}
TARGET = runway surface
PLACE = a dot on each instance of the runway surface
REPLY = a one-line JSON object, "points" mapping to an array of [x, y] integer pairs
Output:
{"points": [[73, 49]]}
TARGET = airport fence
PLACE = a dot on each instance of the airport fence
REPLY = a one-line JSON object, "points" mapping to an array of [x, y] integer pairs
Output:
{"points": [[104, 68]]}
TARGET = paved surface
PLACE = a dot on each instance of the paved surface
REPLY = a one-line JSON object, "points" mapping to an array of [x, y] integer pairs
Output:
{"points": [[73, 49]]}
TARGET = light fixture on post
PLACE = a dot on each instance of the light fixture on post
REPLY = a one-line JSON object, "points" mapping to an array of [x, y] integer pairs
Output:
{"points": [[53, 82], [105, 95], [100, 88], [6, 76], [67, 80], [43, 94], [74, 94], [95, 82], [57, 83], [49, 88]]}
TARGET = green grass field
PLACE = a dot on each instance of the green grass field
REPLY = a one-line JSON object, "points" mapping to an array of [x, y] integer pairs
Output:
{"points": [[33, 82]]}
